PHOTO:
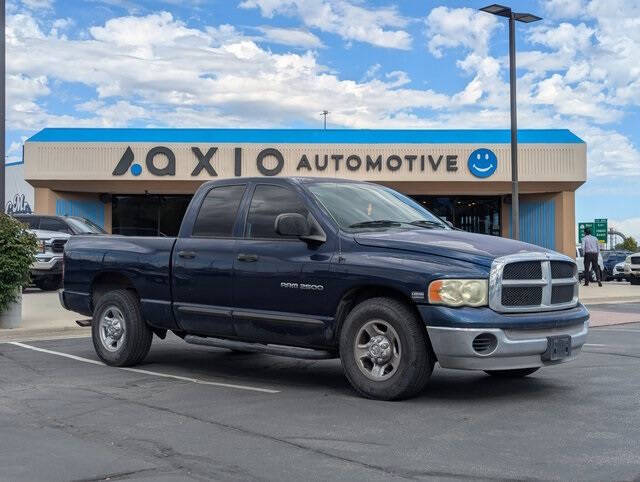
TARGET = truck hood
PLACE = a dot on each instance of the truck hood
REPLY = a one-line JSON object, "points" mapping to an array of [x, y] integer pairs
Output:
{"points": [[42, 234], [475, 248]]}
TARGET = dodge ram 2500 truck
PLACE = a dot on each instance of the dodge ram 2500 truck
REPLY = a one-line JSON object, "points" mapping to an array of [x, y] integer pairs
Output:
{"points": [[326, 268]]}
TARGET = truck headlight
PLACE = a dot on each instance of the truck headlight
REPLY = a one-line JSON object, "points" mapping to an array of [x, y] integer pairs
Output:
{"points": [[459, 292]]}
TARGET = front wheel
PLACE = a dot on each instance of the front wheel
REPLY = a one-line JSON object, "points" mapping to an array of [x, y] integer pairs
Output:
{"points": [[516, 373], [385, 351], [120, 335]]}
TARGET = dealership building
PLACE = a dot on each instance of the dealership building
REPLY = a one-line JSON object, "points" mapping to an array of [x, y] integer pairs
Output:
{"points": [[139, 181]]}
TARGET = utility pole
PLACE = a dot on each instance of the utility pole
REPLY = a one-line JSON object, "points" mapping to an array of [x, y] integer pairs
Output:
{"points": [[325, 113], [503, 11], [2, 108]]}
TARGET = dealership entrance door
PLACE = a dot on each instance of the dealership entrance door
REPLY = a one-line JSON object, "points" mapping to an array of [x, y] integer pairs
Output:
{"points": [[470, 213], [148, 214]]}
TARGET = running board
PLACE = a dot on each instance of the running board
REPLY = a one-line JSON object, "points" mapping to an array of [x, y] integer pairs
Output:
{"points": [[84, 323], [280, 350]]}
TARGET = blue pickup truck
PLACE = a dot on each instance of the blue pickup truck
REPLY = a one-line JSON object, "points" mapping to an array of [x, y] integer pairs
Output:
{"points": [[324, 268]]}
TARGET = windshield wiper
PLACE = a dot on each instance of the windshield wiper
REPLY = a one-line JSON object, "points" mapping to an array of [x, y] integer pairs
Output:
{"points": [[425, 223], [379, 223]]}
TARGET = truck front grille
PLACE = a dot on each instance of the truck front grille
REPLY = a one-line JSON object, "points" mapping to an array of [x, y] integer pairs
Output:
{"points": [[521, 296], [635, 260], [533, 282]]}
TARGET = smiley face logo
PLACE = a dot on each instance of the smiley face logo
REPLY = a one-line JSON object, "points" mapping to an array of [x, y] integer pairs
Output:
{"points": [[482, 162]]}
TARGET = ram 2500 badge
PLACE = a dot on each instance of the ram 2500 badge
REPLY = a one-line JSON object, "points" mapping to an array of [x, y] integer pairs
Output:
{"points": [[326, 268]]}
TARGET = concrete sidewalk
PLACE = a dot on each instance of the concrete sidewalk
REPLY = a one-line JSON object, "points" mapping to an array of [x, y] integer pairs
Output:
{"points": [[610, 292], [43, 317]]}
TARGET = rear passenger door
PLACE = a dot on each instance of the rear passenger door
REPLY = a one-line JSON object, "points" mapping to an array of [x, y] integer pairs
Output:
{"points": [[271, 305], [203, 264]]}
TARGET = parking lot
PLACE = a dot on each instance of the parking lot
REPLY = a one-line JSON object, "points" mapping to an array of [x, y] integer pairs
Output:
{"points": [[204, 413]]}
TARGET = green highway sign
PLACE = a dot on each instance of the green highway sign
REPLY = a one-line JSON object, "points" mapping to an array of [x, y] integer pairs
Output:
{"points": [[599, 228]]}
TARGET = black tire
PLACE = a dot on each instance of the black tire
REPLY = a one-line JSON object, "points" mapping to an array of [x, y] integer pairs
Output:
{"points": [[48, 284], [634, 281], [416, 360], [517, 373], [137, 335]]}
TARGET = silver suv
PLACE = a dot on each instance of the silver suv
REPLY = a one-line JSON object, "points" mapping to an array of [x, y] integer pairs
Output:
{"points": [[632, 268]]}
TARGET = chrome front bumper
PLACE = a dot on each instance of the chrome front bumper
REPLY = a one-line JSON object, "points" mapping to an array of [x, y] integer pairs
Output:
{"points": [[47, 263], [515, 348]]}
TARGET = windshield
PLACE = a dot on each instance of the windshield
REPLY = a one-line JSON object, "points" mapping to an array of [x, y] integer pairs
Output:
{"points": [[84, 226], [356, 206]]}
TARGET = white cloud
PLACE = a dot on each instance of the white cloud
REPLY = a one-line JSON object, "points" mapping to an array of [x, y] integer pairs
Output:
{"points": [[172, 74], [291, 36], [38, 4], [459, 27], [629, 226], [380, 26]]}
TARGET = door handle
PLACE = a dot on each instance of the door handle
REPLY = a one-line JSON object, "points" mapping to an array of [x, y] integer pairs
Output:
{"points": [[187, 254], [249, 258]]}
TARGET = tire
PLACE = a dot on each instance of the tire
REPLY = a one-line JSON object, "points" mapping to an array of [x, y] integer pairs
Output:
{"points": [[517, 373], [412, 360], [634, 281], [118, 313], [48, 284]]}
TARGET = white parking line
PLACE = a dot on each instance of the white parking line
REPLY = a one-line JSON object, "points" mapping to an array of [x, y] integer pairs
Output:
{"points": [[620, 330], [593, 344], [145, 372]]}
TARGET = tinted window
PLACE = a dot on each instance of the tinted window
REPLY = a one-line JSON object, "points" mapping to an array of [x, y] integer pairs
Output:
{"points": [[31, 221], [84, 226], [267, 203], [218, 212], [53, 224]]}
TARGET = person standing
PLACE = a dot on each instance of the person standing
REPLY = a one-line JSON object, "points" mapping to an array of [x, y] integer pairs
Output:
{"points": [[591, 250]]}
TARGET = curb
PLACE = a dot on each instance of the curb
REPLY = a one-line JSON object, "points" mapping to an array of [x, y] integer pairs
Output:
{"points": [[23, 334]]}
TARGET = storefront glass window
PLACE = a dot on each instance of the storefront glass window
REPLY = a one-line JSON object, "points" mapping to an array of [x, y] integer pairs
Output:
{"points": [[469, 213]]}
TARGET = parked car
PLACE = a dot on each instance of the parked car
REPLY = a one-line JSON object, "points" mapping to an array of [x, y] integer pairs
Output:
{"points": [[618, 272], [46, 271], [60, 224], [321, 268], [580, 264], [632, 268], [610, 260]]}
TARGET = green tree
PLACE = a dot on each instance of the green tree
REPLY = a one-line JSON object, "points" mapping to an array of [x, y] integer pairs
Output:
{"points": [[628, 244], [17, 252]]}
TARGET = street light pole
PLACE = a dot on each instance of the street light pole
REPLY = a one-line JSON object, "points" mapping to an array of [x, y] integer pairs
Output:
{"points": [[2, 108], [503, 11], [325, 113], [515, 194]]}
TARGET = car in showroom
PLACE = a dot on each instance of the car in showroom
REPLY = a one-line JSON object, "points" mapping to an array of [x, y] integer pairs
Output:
{"points": [[46, 270], [60, 224], [632, 268]]}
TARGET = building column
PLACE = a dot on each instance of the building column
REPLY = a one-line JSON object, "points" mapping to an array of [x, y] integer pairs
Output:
{"points": [[565, 223], [45, 201]]}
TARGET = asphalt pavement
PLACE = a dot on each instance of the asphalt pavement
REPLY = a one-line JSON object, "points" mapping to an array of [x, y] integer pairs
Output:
{"points": [[202, 413]]}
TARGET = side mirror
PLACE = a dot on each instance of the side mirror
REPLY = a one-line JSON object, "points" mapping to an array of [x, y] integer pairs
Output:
{"points": [[292, 224]]}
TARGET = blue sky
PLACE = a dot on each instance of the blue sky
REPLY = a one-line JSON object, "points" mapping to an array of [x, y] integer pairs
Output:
{"points": [[375, 64]]}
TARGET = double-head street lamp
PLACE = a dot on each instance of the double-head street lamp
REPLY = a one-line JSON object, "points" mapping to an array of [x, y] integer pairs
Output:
{"points": [[503, 11]]}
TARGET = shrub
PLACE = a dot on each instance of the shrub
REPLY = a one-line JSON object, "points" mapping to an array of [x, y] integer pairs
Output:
{"points": [[17, 252]]}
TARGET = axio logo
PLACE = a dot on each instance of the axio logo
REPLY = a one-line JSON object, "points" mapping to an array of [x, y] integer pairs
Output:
{"points": [[483, 162]]}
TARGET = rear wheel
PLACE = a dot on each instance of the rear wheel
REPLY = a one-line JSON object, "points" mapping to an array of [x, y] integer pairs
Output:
{"points": [[120, 335], [517, 373], [385, 351]]}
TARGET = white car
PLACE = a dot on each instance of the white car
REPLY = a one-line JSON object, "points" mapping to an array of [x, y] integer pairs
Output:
{"points": [[618, 272], [46, 271], [580, 263], [632, 268]]}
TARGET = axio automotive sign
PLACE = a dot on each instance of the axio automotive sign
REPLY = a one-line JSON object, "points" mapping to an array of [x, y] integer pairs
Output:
{"points": [[270, 161]]}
